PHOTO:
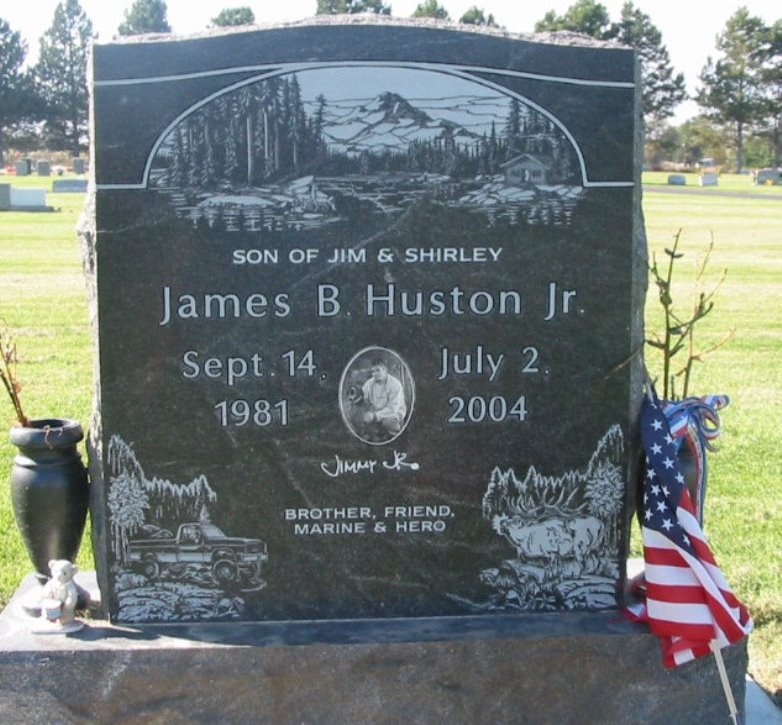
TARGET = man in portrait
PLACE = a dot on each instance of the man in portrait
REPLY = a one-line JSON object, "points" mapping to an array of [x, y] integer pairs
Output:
{"points": [[384, 403]]}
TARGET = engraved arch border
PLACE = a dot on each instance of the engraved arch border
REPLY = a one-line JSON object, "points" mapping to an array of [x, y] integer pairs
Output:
{"points": [[406, 369], [463, 72]]}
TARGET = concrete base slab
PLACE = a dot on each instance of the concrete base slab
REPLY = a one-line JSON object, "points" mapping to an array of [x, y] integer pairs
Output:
{"points": [[761, 709], [559, 668]]}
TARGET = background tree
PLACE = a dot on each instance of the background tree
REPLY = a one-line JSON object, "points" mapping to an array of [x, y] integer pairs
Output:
{"points": [[234, 16], [758, 150], [61, 74], [17, 97], [585, 16], [701, 138], [351, 7], [145, 16], [732, 93], [662, 89], [430, 9], [664, 146], [476, 16], [771, 79], [689, 143]]}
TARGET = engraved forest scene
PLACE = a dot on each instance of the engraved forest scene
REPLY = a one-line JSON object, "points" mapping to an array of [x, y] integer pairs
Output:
{"points": [[346, 146], [561, 532], [171, 562]]}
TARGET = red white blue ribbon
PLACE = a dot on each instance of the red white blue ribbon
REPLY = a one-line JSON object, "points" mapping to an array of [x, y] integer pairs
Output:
{"points": [[696, 418], [695, 423]]}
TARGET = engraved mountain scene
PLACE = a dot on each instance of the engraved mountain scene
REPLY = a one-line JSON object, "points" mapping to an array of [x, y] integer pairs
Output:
{"points": [[389, 122], [332, 146]]}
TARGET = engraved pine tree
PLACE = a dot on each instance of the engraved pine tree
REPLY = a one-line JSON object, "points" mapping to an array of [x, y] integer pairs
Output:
{"points": [[605, 483], [135, 499], [127, 503]]}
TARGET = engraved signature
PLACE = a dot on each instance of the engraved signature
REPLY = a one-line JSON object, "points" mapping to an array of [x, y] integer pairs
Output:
{"points": [[346, 466]]}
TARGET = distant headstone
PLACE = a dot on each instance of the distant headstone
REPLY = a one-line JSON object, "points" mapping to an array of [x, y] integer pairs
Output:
{"points": [[78, 165], [5, 197], [709, 179], [677, 180], [28, 198], [768, 176], [370, 308], [44, 168], [69, 186], [22, 167]]}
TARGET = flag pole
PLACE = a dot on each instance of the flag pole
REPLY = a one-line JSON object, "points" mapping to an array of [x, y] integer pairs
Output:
{"points": [[725, 681]]}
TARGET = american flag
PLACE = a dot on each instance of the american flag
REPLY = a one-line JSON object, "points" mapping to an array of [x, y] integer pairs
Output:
{"points": [[689, 604]]}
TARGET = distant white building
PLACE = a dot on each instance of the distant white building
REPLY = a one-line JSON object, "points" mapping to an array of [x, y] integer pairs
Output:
{"points": [[526, 169]]}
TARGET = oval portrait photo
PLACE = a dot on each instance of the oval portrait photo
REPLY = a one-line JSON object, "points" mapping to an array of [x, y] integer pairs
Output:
{"points": [[376, 395]]}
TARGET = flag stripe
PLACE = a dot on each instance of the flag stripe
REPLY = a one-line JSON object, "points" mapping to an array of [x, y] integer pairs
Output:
{"points": [[683, 656], [679, 594], [696, 632], [686, 613], [674, 576], [658, 550]]}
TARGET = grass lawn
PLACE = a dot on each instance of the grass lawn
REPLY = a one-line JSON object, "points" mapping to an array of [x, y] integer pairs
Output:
{"points": [[42, 299], [743, 518]]}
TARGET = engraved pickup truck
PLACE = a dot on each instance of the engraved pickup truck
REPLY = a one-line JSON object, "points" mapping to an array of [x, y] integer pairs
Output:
{"points": [[231, 561]]}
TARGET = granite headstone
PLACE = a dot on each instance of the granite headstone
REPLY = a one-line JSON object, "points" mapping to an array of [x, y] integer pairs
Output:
{"points": [[5, 197], [44, 168], [78, 164], [22, 167], [369, 309], [28, 198], [768, 176], [69, 186]]}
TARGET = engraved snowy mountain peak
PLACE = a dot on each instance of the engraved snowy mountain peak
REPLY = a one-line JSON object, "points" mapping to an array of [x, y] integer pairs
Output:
{"points": [[396, 109], [389, 121]]}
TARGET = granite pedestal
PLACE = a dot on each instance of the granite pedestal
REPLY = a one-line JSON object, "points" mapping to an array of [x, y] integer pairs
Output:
{"points": [[552, 668]]}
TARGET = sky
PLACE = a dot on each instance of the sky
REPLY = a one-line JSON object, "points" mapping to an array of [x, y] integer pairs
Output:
{"points": [[689, 29]]}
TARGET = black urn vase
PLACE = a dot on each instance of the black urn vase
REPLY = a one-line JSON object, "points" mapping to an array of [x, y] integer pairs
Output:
{"points": [[49, 490]]}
